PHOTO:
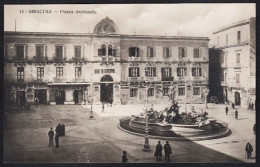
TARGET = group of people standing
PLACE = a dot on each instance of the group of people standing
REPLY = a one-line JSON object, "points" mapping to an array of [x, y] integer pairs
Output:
{"points": [[60, 131], [167, 151], [109, 103], [251, 106], [236, 112]]}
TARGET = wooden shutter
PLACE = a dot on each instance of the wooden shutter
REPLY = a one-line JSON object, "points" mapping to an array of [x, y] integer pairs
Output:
{"points": [[200, 52], [154, 72], [114, 52], [170, 73], [148, 52], [129, 72], [137, 52], [185, 52], [138, 73], [99, 52]]}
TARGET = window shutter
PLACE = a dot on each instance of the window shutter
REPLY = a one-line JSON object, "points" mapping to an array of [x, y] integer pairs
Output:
{"points": [[154, 72], [170, 51], [185, 52], [164, 52], [200, 52], [45, 50], [114, 52], [200, 70], [148, 52], [129, 72], [179, 52], [170, 73], [162, 72], [138, 52], [64, 52], [99, 52], [129, 52], [138, 74], [154, 52]]}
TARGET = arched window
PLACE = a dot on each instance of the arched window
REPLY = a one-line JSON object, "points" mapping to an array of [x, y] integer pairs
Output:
{"points": [[110, 50], [103, 48]]}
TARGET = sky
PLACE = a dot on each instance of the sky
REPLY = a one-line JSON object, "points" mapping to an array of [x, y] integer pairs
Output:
{"points": [[144, 19]]}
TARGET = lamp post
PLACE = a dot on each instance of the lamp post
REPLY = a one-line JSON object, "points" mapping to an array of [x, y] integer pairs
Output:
{"points": [[146, 136], [91, 116], [206, 91]]}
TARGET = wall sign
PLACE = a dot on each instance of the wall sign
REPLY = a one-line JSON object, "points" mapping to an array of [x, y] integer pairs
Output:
{"points": [[104, 71]]}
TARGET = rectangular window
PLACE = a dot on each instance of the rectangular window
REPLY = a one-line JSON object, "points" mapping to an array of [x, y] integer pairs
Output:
{"points": [[150, 92], [226, 39], [196, 72], [150, 71], [77, 51], [39, 50], [181, 71], [77, 72], [134, 52], [238, 58], [196, 91], [237, 78], [196, 53], [165, 91], [181, 91], [166, 52], [20, 52], [134, 72], [133, 92], [166, 72], [182, 52], [59, 52], [20, 74], [59, 72], [150, 52], [40, 72], [238, 36]]}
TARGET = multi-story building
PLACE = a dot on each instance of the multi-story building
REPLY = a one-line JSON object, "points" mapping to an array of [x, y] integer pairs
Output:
{"points": [[237, 42], [72, 68]]}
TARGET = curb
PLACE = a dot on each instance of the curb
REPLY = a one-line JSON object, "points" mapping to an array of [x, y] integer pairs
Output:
{"points": [[224, 134]]}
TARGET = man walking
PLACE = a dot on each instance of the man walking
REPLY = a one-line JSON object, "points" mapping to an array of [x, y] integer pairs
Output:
{"points": [[226, 110], [158, 151], [51, 134], [236, 114], [57, 140], [233, 105], [249, 150], [103, 107], [167, 151]]}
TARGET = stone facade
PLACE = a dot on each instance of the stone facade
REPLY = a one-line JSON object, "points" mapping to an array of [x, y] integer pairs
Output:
{"points": [[71, 68], [238, 58]]}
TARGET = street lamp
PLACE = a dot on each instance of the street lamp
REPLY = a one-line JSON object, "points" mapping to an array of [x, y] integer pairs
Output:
{"points": [[91, 116], [206, 91], [146, 136]]}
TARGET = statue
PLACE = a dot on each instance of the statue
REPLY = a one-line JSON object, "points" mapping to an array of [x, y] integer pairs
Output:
{"points": [[172, 94]]}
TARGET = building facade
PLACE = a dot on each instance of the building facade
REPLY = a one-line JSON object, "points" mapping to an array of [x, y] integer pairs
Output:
{"points": [[238, 70], [71, 68]]}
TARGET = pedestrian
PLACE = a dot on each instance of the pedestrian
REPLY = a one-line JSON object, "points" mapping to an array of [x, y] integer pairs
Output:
{"points": [[103, 107], [51, 134], [233, 105], [124, 158], [58, 130], [158, 151], [167, 150], [36, 101], [63, 129], [111, 101], [226, 110], [254, 128], [236, 114], [249, 150], [57, 140], [252, 106]]}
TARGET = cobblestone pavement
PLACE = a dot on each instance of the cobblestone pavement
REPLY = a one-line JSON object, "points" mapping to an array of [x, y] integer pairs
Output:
{"points": [[99, 139]]}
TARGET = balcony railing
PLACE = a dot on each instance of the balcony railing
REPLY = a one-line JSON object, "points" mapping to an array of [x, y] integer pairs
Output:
{"points": [[59, 79], [133, 79], [182, 59], [167, 78], [134, 58], [151, 78], [78, 80], [199, 59]]}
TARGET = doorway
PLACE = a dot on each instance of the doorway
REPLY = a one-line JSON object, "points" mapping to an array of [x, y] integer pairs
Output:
{"points": [[78, 96], [60, 96], [106, 89], [20, 98], [237, 98], [42, 95]]}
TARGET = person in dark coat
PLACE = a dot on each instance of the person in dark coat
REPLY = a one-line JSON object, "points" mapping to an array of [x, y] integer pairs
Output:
{"points": [[227, 110], [103, 107], [124, 158], [233, 105], [254, 128], [167, 150], [63, 129], [236, 114], [51, 134], [111, 101], [58, 130], [158, 151], [249, 150], [57, 140]]}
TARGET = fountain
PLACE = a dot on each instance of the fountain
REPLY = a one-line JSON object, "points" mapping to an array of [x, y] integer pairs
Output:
{"points": [[171, 123]]}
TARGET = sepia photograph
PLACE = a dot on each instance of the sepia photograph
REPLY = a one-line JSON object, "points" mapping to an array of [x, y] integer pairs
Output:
{"points": [[130, 83]]}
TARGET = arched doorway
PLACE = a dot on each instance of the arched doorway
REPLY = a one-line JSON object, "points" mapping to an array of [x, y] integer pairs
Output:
{"points": [[237, 98], [106, 88]]}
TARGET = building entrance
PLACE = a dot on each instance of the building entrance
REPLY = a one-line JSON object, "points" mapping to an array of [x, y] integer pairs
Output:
{"points": [[20, 98], [106, 89], [60, 96], [78, 96], [237, 98], [41, 94]]}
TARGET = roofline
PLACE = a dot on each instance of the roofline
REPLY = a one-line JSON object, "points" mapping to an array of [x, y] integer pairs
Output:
{"points": [[232, 25], [13, 33]]}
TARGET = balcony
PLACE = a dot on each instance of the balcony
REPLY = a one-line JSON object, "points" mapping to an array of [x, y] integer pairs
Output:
{"points": [[78, 80], [182, 59], [59, 79], [197, 77], [167, 78], [134, 58], [134, 79], [199, 59], [151, 78]]}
